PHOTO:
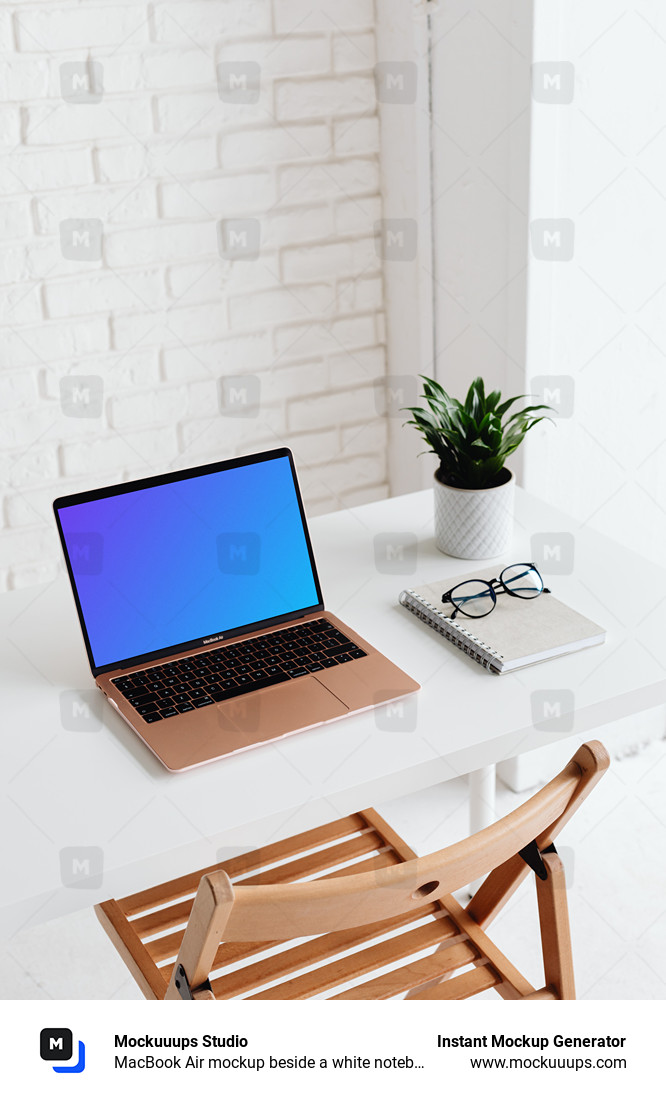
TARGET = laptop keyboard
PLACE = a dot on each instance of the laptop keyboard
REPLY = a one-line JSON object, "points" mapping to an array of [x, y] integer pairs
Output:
{"points": [[218, 674]]}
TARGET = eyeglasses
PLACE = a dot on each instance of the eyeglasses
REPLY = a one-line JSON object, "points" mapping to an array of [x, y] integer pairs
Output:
{"points": [[477, 598]]}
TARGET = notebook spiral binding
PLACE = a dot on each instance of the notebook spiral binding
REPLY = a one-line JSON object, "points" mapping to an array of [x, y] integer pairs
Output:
{"points": [[458, 635]]}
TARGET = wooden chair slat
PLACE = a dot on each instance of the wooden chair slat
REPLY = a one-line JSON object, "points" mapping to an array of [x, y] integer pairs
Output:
{"points": [[460, 987], [374, 863], [228, 954], [314, 862], [164, 947], [239, 865], [167, 947], [388, 835], [162, 919], [361, 962], [170, 915], [318, 950], [406, 977]]}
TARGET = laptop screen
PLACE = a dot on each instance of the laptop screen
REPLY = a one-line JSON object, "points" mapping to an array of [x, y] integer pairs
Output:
{"points": [[173, 562]]}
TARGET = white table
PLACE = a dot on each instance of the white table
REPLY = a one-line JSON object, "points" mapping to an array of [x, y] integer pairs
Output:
{"points": [[101, 792]]}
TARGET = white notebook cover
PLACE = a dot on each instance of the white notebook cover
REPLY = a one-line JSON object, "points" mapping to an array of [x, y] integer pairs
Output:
{"points": [[517, 633]]}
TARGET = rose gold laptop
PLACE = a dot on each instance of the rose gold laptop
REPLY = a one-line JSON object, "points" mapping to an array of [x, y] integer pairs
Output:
{"points": [[202, 614]]}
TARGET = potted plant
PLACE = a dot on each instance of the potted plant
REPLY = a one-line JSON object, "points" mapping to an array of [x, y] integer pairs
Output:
{"points": [[473, 488]]}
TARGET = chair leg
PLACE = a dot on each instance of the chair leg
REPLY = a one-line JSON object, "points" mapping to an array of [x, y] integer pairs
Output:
{"points": [[208, 917], [555, 933]]}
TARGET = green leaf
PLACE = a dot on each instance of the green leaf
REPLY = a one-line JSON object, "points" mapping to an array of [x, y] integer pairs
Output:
{"points": [[501, 409], [470, 439]]}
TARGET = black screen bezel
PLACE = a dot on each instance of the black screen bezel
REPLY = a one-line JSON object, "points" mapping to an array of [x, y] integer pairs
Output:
{"points": [[168, 479]]}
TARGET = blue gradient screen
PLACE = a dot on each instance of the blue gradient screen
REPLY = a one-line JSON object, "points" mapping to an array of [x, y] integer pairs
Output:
{"points": [[161, 566]]}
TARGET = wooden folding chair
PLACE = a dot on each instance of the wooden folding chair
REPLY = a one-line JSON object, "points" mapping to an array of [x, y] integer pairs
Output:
{"points": [[335, 905]]}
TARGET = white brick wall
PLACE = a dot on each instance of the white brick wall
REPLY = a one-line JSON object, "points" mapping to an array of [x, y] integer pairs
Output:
{"points": [[164, 306]]}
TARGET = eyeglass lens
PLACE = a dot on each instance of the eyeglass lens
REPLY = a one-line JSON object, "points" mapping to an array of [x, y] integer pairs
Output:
{"points": [[474, 598], [522, 580], [477, 598]]}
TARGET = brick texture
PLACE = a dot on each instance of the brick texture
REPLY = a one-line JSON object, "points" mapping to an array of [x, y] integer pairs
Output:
{"points": [[189, 192]]}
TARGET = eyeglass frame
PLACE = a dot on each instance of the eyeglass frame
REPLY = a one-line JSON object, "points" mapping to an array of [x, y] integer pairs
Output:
{"points": [[446, 598]]}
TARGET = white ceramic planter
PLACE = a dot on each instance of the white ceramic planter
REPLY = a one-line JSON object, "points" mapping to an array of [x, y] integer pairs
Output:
{"points": [[473, 523]]}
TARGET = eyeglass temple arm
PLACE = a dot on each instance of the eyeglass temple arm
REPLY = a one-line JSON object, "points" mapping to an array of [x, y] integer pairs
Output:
{"points": [[446, 598]]}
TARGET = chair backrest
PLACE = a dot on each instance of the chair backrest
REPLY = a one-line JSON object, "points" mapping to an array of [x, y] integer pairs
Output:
{"points": [[274, 912]]}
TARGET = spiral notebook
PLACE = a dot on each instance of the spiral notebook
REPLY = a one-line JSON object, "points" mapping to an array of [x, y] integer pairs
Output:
{"points": [[518, 633]]}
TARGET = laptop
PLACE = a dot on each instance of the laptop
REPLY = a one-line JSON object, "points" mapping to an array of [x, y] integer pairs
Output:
{"points": [[202, 612]]}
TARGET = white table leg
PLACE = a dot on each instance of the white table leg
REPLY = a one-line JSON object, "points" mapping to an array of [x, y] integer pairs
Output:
{"points": [[481, 798], [481, 785]]}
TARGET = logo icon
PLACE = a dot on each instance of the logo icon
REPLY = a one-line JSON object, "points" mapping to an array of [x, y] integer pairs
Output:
{"points": [[553, 710], [82, 867], [240, 395], [239, 552], [81, 238], [81, 711], [239, 81], [239, 238], [556, 390], [554, 550], [82, 395], [56, 1044], [82, 81], [552, 238], [395, 552], [395, 81], [553, 81], [396, 238]]}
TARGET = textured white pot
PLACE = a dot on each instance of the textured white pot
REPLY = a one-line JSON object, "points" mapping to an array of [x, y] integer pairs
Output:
{"points": [[473, 523]]}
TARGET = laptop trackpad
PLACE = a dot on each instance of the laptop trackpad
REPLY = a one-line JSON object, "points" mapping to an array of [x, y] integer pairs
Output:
{"points": [[282, 709]]}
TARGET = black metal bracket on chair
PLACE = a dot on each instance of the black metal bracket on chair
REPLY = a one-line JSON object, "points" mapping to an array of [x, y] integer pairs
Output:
{"points": [[532, 856], [183, 986]]}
